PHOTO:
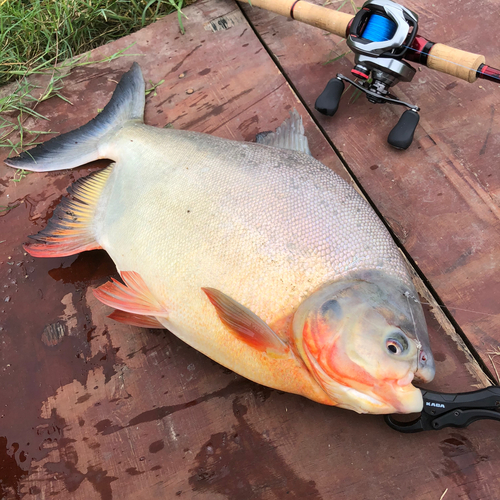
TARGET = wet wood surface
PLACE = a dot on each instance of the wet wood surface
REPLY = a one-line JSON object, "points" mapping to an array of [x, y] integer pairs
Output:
{"points": [[441, 196], [94, 409]]}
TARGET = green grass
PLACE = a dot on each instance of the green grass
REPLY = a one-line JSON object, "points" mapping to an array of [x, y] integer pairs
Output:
{"points": [[40, 36], [36, 34], [20, 103], [20, 175]]}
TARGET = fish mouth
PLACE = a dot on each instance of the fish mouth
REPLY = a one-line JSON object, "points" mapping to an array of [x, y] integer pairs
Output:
{"points": [[399, 396], [407, 399], [361, 402], [424, 376], [403, 396]]}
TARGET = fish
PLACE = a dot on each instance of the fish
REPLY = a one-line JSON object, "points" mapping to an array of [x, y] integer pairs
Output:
{"points": [[255, 254]]}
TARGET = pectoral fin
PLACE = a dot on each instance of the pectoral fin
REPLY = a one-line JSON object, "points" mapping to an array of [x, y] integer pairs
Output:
{"points": [[244, 324]]}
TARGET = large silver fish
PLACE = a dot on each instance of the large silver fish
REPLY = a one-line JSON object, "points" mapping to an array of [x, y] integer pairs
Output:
{"points": [[260, 257]]}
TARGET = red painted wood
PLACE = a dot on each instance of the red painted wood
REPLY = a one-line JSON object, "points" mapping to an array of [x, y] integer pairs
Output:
{"points": [[94, 409]]}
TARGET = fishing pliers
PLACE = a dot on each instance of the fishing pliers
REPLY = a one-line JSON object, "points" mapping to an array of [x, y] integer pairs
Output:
{"points": [[451, 410]]}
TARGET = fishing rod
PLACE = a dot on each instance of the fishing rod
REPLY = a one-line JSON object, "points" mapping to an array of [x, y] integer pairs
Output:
{"points": [[383, 36]]}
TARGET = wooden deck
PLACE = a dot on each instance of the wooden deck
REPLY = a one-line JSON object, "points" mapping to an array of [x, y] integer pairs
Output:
{"points": [[94, 409]]}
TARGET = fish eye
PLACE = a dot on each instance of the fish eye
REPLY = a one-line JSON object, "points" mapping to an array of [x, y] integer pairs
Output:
{"points": [[396, 343]]}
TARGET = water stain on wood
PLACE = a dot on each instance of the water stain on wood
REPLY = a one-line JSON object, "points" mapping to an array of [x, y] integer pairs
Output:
{"points": [[178, 65], [11, 472], [132, 471], [106, 427], [156, 446], [459, 462], [244, 464], [66, 468]]}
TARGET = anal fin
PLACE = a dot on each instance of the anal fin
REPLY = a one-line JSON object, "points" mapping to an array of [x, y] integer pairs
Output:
{"points": [[135, 319], [133, 297], [69, 231]]}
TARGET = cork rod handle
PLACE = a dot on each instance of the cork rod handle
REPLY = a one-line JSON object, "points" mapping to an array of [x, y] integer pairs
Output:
{"points": [[326, 19], [455, 62]]}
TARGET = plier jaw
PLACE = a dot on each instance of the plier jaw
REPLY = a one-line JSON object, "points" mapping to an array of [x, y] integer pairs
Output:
{"points": [[452, 410]]}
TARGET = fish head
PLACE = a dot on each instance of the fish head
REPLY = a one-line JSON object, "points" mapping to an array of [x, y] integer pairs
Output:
{"points": [[365, 340]]}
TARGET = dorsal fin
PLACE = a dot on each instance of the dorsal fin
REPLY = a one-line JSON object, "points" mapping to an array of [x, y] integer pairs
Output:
{"points": [[289, 135]]}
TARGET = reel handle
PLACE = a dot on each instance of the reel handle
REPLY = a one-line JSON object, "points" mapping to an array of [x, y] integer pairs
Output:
{"points": [[328, 101], [401, 135]]}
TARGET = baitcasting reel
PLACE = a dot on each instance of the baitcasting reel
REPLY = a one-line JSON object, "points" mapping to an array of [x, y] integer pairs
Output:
{"points": [[379, 35]]}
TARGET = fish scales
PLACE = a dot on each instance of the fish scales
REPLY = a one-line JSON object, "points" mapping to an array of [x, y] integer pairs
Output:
{"points": [[267, 226], [259, 257], [237, 218]]}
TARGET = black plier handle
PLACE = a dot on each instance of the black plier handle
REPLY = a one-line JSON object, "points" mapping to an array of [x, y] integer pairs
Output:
{"points": [[452, 410]]}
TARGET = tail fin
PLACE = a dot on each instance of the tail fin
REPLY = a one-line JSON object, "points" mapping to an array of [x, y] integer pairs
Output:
{"points": [[81, 146]]}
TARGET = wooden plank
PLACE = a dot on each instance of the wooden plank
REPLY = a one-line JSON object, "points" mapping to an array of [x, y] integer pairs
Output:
{"points": [[440, 197], [93, 409]]}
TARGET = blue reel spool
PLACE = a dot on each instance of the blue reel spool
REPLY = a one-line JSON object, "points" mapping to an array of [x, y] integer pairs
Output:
{"points": [[379, 29]]}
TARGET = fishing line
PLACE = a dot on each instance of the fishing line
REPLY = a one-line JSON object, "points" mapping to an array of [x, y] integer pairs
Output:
{"points": [[456, 309], [418, 343]]}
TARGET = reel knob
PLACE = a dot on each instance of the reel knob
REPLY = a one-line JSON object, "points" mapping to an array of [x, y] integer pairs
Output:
{"points": [[401, 135], [328, 101]]}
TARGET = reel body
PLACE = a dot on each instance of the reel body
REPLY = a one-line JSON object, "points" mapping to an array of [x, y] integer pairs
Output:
{"points": [[379, 35]]}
